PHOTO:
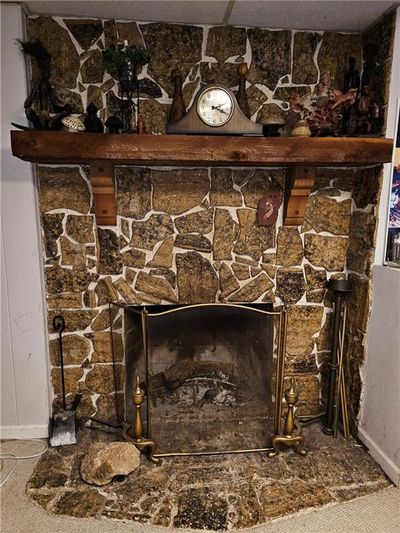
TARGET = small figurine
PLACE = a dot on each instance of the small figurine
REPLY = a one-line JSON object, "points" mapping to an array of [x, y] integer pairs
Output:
{"points": [[351, 82], [92, 122], [141, 126], [113, 124], [42, 107], [178, 109], [241, 96], [271, 122]]}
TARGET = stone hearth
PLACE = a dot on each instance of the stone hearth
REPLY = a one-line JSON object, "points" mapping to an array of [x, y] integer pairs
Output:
{"points": [[218, 492]]}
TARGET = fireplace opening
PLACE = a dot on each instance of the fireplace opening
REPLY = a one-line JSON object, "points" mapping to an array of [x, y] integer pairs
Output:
{"points": [[209, 372]]}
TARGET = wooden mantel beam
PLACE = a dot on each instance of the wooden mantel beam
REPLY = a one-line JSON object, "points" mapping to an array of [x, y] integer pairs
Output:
{"points": [[102, 152]]}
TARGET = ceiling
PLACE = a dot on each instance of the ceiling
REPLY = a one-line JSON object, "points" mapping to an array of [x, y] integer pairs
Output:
{"points": [[344, 15]]}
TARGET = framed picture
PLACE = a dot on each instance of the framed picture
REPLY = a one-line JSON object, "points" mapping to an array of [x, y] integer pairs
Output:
{"points": [[392, 256]]}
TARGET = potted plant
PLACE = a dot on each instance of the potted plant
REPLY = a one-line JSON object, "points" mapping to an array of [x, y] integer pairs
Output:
{"points": [[122, 62]]}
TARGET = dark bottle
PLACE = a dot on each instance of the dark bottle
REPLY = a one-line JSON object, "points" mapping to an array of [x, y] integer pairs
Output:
{"points": [[178, 109]]}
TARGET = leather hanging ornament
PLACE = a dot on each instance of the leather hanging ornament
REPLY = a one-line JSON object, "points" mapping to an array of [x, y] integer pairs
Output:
{"points": [[268, 207]]}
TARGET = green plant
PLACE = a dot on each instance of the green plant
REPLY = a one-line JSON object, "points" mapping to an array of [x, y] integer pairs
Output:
{"points": [[115, 57]]}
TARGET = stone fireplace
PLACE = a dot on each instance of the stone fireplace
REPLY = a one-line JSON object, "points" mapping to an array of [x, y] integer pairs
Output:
{"points": [[188, 251], [189, 235]]}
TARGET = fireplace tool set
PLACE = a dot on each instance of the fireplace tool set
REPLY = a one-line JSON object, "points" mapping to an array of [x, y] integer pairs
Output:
{"points": [[64, 422], [337, 394]]}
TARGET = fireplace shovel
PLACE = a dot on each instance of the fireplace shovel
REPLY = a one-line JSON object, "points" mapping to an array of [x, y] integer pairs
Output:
{"points": [[63, 423]]}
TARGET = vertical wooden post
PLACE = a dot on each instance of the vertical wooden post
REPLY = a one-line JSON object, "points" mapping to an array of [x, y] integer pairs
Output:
{"points": [[103, 187], [297, 190]]}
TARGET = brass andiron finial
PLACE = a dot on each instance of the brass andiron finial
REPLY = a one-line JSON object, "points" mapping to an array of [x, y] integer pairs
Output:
{"points": [[292, 436], [137, 439]]}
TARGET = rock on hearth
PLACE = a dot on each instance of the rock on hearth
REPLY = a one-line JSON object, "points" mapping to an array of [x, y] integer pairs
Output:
{"points": [[107, 460]]}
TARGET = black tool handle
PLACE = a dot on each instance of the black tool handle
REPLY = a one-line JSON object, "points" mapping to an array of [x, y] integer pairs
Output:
{"points": [[59, 326]]}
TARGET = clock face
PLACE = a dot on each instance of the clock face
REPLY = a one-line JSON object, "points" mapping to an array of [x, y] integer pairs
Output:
{"points": [[215, 106]]}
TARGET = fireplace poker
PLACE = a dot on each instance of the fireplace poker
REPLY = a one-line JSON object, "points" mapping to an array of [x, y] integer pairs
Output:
{"points": [[339, 287], [63, 423], [340, 380]]}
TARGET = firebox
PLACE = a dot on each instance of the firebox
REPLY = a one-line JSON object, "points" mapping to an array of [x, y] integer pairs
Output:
{"points": [[212, 376]]}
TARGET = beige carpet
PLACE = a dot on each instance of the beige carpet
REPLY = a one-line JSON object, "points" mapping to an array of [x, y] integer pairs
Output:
{"points": [[375, 513]]}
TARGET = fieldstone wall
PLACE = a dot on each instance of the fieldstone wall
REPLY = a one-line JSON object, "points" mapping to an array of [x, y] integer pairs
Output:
{"points": [[190, 235]]}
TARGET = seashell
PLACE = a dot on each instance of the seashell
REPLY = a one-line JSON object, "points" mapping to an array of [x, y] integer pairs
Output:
{"points": [[301, 129], [72, 123]]}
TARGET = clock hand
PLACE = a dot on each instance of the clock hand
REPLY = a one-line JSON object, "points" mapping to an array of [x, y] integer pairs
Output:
{"points": [[218, 107]]}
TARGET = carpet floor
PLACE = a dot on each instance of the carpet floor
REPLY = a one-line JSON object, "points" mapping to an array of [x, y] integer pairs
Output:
{"points": [[378, 512]]}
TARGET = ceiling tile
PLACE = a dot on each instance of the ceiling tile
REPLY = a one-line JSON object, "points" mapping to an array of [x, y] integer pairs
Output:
{"points": [[345, 15]]}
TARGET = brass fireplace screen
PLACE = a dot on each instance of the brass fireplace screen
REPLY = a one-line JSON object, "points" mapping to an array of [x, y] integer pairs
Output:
{"points": [[205, 379]]}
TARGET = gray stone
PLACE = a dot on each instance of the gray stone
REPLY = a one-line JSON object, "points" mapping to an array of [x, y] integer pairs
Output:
{"points": [[133, 192], [255, 98], [270, 56], [72, 98], [155, 116], [95, 96], [304, 68], [361, 242], [110, 32], [148, 233], [171, 46], [176, 191], [107, 460], [334, 49], [224, 235], [164, 254], [129, 31], [253, 240], [224, 42], [290, 284], [134, 258], [258, 184], [80, 228], [197, 280], [227, 281], [198, 222], [193, 242], [110, 259], [221, 73], [64, 57], [92, 70], [62, 188], [289, 247], [326, 252], [222, 191], [253, 290], [52, 229], [325, 214], [61, 280], [85, 31], [158, 287]]}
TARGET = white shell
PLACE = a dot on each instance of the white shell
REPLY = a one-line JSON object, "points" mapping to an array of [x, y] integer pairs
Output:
{"points": [[73, 123]]}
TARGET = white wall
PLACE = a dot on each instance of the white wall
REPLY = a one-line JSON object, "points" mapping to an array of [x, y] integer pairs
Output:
{"points": [[25, 406], [379, 426]]}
